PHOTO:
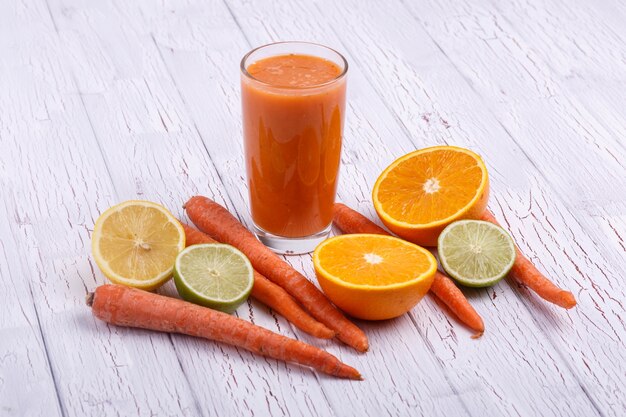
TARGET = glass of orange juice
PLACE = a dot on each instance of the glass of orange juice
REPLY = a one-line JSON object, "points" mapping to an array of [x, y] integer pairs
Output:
{"points": [[293, 102]]}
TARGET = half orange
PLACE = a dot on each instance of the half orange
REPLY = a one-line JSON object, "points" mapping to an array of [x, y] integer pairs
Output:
{"points": [[421, 193], [373, 277]]}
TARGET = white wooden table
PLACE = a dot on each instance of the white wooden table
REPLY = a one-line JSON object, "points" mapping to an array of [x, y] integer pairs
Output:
{"points": [[103, 101]]}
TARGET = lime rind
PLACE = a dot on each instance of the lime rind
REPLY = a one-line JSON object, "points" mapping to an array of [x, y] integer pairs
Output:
{"points": [[214, 275], [476, 253]]}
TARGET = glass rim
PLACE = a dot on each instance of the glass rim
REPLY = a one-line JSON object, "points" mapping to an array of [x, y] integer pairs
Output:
{"points": [[244, 71]]}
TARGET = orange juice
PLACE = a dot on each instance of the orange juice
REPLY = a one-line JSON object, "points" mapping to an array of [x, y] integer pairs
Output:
{"points": [[293, 112]]}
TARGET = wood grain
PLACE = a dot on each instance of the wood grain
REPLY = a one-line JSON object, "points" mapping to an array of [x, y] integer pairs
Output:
{"points": [[59, 183], [24, 365], [107, 101]]}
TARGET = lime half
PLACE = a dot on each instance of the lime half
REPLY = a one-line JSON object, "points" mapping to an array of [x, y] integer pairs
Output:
{"points": [[213, 275], [476, 253]]}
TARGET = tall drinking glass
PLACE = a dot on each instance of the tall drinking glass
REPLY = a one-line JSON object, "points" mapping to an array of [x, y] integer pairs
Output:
{"points": [[293, 101]]}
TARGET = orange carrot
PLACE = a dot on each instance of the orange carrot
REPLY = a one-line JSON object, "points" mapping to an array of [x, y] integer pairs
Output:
{"points": [[447, 291], [272, 295], [130, 307], [351, 221], [195, 237], [215, 220], [526, 273]]}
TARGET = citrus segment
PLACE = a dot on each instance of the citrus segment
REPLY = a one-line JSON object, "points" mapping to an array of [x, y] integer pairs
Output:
{"points": [[373, 277], [424, 191], [135, 243]]}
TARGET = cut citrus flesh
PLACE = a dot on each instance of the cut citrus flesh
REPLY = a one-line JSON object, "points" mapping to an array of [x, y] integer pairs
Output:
{"points": [[135, 243], [476, 253], [373, 277], [419, 194], [214, 275]]}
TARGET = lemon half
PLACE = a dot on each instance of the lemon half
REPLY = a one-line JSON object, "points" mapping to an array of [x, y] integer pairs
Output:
{"points": [[135, 243]]}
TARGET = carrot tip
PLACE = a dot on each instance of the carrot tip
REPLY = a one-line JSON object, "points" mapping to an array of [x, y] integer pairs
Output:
{"points": [[568, 300], [354, 375], [477, 335], [89, 298], [362, 349]]}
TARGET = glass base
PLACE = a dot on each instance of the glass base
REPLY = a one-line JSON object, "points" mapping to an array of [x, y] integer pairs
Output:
{"points": [[291, 245]]}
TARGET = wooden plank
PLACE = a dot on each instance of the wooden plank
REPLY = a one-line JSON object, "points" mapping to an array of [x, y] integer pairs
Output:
{"points": [[204, 64], [58, 184], [581, 45], [27, 387], [519, 79], [26, 384]]}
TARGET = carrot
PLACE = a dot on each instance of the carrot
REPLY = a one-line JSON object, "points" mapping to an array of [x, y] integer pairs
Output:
{"points": [[215, 220], [351, 221], [526, 273], [130, 307], [447, 291], [272, 295]]}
